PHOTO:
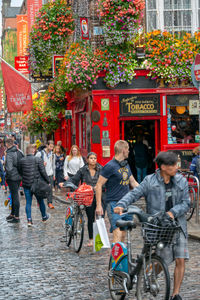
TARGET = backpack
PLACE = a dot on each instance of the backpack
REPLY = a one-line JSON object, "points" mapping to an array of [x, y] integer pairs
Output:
{"points": [[198, 166]]}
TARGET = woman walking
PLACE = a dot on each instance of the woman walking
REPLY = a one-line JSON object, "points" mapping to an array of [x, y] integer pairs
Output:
{"points": [[73, 162], [88, 174], [59, 165]]}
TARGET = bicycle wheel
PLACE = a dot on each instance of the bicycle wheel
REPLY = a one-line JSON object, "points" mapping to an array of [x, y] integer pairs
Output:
{"points": [[115, 285], [192, 195], [78, 231], [68, 234], [157, 282]]}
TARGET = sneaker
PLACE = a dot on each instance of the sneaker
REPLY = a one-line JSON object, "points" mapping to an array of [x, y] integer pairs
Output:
{"points": [[13, 220], [9, 217], [176, 297], [30, 223], [45, 219], [50, 205]]}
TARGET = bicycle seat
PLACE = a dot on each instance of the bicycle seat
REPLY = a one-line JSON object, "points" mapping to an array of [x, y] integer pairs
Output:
{"points": [[123, 224], [70, 185], [134, 210]]}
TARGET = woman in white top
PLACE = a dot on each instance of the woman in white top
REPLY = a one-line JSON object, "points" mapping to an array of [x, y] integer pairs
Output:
{"points": [[73, 162]]}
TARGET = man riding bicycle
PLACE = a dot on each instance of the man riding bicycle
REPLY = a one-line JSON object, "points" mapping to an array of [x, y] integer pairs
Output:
{"points": [[166, 191]]}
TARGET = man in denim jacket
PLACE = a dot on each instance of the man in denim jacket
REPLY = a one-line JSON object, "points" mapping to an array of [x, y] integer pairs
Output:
{"points": [[166, 191]]}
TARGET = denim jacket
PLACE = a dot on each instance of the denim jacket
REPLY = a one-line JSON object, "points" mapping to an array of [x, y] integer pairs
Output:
{"points": [[153, 189]]}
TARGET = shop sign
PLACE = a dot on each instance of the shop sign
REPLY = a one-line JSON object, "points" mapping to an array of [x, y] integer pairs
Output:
{"points": [[106, 151], [185, 156], [193, 107], [68, 114], [21, 64], [105, 142], [139, 105], [105, 133], [97, 30], [84, 28], [105, 104]]}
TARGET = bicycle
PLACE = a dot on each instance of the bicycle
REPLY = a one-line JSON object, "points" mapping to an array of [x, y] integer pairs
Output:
{"points": [[74, 220], [192, 187], [148, 271]]}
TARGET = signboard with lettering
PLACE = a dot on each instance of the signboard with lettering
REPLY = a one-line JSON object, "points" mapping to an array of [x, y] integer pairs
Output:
{"points": [[139, 105], [21, 64], [186, 157]]}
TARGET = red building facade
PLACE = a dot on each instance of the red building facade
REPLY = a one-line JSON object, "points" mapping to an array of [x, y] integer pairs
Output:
{"points": [[166, 117]]}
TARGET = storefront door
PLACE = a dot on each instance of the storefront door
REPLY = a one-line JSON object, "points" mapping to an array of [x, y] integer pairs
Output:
{"points": [[149, 130]]}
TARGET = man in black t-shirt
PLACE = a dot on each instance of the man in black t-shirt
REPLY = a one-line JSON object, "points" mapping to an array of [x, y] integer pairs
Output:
{"points": [[117, 176]]}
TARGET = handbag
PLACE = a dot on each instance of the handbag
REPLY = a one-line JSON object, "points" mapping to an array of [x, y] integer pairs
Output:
{"points": [[40, 188], [100, 235]]}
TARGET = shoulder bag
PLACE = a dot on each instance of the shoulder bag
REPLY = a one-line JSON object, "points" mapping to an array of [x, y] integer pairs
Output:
{"points": [[40, 188]]}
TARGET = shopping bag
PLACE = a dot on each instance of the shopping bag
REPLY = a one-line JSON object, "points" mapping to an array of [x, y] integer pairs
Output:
{"points": [[100, 235]]}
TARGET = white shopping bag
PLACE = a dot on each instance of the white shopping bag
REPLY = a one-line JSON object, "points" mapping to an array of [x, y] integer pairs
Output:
{"points": [[100, 235]]}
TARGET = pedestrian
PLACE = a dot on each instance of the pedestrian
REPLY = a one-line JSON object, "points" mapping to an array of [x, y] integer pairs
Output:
{"points": [[88, 174], [141, 158], [59, 165], [59, 143], [48, 158], [195, 164], [166, 190], [73, 162], [2, 149], [117, 176], [31, 167], [13, 178], [2, 176]]}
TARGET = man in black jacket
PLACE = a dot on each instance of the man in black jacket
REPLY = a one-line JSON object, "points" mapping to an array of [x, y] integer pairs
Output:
{"points": [[13, 178], [31, 167]]}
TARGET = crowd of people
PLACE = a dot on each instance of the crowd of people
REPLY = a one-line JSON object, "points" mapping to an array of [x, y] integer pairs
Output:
{"points": [[165, 190]]}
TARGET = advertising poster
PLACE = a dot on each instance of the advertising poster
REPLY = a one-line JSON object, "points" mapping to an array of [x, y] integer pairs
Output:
{"points": [[22, 35], [84, 28]]}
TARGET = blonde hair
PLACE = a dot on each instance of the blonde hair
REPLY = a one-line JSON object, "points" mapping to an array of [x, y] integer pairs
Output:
{"points": [[196, 150], [119, 146], [70, 153]]}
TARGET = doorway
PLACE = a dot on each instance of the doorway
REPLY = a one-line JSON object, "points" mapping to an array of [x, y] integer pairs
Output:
{"points": [[147, 129]]}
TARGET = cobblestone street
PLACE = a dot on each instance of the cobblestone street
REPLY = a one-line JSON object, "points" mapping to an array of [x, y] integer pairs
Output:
{"points": [[36, 264]]}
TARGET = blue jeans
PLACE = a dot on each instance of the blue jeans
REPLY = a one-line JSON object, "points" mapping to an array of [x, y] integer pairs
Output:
{"points": [[40, 201], [141, 173]]}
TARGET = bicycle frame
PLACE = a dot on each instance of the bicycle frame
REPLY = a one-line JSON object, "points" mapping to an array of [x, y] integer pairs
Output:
{"points": [[134, 265]]}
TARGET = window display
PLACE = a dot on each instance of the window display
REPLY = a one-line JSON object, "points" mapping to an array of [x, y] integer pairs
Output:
{"points": [[183, 127]]}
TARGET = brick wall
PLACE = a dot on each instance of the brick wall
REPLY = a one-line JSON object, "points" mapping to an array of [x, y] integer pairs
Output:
{"points": [[88, 9]]}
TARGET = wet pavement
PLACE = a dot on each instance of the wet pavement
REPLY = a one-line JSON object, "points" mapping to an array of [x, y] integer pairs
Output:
{"points": [[36, 264]]}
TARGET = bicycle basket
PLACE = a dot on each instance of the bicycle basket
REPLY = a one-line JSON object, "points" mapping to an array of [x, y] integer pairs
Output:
{"points": [[152, 234], [84, 195]]}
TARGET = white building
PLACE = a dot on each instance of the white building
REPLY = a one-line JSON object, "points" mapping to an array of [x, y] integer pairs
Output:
{"points": [[173, 15]]}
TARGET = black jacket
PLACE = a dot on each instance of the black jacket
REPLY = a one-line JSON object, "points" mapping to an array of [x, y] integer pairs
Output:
{"points": [[31, 167], [13, 157], [83, 175]]}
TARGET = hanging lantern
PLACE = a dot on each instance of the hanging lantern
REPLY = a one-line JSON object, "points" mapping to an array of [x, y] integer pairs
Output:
{"points": [[180, 109]]}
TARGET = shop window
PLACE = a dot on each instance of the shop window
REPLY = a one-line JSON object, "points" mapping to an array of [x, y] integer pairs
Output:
{"points": [[183, 123]]}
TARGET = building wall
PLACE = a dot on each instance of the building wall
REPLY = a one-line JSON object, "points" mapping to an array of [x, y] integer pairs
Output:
{"points": [[10, 22], [87, 9]]}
